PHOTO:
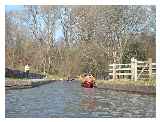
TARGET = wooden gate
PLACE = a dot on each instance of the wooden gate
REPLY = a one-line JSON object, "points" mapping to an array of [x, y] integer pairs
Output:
{"points": [[136, 70], [146, 70]]}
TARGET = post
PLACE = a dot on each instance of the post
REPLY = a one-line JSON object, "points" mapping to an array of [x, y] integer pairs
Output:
{"points": [[135, 69], [114, 71], [150, 68], [132, 68]]}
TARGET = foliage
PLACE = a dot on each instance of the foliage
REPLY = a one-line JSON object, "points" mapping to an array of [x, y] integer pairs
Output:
{"points": [[136, 50], [92, 37]]}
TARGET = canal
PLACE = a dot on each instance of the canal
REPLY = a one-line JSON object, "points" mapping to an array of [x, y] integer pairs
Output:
{"points": [[69, 100]]}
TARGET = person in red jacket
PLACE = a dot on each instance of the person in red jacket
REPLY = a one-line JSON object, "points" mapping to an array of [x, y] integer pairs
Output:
{"points": [[89, 81]]}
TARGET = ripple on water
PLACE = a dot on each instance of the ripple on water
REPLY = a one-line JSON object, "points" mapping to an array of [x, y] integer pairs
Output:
{"points": [[61, 99]]}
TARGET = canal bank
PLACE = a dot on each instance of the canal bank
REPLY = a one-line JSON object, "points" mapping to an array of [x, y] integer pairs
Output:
{"points": [[25, 83], [128, 86], [16, 79]]}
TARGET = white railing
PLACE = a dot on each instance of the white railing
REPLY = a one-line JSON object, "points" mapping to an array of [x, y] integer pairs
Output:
{"points": [[135, 70]]}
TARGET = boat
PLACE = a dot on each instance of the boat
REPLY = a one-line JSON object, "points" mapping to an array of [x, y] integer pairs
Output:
{"points": [[88, 81], [87, 84]]}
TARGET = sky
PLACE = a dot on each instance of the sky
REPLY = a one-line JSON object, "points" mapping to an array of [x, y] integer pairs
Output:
{"points": [[58, 33], [9, 8]]}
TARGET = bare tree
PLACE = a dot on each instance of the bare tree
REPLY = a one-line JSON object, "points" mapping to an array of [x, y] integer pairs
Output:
{"points": [[92, 37]]}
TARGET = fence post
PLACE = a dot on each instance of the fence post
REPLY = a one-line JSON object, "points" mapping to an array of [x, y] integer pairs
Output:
{"points": [[150, 68], [132, 68], [135, 69], [114, 71]]}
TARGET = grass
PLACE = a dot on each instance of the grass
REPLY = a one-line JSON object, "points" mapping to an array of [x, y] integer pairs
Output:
{"points": [[55, 77], [13, 78], [128, 82], [49, 77]]}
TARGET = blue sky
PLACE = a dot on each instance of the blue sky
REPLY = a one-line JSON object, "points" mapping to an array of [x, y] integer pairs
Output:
{"points": [[13, 8], [9, 8]]}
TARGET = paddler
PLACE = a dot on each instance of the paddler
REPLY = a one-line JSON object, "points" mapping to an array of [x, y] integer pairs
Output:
{"points": [[89, 80]]}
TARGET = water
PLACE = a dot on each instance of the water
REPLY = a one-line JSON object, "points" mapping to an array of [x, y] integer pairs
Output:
{"points": [[64, 99]]}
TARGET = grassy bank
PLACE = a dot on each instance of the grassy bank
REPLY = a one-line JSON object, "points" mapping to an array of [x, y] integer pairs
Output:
{"points": [[49, 77], [15, 79], [55, 77], [127, 82]]}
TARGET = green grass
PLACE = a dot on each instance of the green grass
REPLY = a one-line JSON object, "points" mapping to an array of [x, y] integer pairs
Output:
{"points": [[128, 82]]}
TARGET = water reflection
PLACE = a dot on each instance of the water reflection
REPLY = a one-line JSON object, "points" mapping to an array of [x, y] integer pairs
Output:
{"points": [[88, 102], [63, 99]]}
